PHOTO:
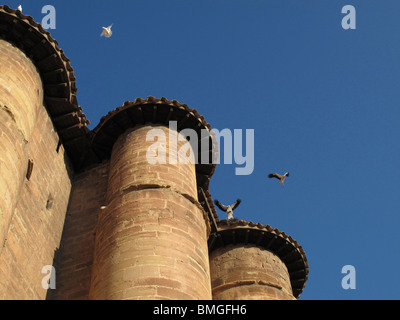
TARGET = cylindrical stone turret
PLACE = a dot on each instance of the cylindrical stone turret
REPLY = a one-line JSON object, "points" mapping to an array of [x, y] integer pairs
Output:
{"points": [[254, 262], [21, 96], [249, 273], [151, 238]]}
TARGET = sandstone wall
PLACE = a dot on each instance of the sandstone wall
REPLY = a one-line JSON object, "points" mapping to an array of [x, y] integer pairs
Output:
{"points": [[32, 211]]}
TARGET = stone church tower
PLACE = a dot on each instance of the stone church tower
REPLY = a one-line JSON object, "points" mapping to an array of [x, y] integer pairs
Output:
{"points": [[89, 205]]}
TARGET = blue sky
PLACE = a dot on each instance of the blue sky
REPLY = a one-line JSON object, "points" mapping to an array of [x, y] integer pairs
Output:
{"points": [[323, 101]]}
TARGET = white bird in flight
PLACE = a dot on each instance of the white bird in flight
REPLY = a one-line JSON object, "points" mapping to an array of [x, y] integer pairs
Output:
{"points": [[279, 177], [106, 32], [19, 8]]}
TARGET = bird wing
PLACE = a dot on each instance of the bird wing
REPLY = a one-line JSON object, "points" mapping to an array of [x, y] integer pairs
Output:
{"points": [[275, 175], [287, 174], [235, 205], [221, 206]]}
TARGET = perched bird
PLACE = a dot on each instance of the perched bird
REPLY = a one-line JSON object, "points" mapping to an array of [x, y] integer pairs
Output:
{"points": [[19, 8], [106, 32], [228, 209], [279, 177]]}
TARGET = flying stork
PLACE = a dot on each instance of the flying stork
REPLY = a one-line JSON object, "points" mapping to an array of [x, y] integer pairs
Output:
{"points": [[228, 209], [279, 177]]}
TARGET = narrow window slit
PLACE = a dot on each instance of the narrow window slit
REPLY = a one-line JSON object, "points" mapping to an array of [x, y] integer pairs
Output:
{"points": [[58, 146], [49, 203], [29, 170]]}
